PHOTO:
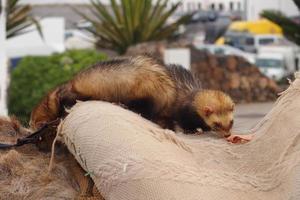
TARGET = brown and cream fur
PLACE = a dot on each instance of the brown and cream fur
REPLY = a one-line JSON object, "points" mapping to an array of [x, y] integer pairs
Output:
{"points": [[164, 94], [199, 108], [140, 83], [216, 108]]}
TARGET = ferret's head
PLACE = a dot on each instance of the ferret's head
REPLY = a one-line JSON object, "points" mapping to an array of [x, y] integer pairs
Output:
{"points": [[216, 109], [45, 111]]}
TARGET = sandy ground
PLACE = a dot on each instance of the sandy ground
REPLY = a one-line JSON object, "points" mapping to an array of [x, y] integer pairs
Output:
{"points": [[248, 115]]}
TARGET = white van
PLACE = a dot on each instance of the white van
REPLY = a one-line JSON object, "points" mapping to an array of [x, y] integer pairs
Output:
{"points": [[254, 42], [273, 65]]}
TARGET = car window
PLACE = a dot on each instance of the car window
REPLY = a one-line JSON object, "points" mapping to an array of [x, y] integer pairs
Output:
{"points": [[219, 51], [205, 49], [249, 41], [269, 63], [264, 41]]}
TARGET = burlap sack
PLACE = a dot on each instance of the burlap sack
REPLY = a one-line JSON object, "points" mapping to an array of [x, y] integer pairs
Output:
{"points": [[130, 158]]}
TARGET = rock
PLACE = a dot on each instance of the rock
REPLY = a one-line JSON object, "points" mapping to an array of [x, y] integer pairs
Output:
{"points": [[234, 81], [263, 82], [245, 83], [231, 63], [233, 75]]}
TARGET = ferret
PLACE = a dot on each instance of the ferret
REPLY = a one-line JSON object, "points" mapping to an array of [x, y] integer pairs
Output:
{"points": [[164, 94], [141, 83], [210, 110]]}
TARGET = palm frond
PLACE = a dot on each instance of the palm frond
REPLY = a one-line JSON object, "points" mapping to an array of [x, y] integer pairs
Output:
{"points": [[128, 22], [290, 28], [19, 19]]}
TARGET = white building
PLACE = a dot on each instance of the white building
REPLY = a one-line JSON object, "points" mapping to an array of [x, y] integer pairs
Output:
{"points": [[219, 5], [253, 8], [3, 61]]}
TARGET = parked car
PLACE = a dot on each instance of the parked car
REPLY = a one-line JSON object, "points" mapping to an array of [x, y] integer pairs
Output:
{"points": [[242, 28], [281, 60], [204, 16], [250, 42], [273, 65], [254, 42], [226, 50]]}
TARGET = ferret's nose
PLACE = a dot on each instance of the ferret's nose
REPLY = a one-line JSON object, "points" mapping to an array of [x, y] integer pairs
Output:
{"points": [[229, 127], [227, 134]]}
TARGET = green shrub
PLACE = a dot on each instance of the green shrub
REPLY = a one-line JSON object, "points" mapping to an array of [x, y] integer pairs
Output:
{"points": [[35, 76]]}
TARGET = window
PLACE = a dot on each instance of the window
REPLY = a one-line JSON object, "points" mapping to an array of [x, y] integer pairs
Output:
{"points": [[249, 41], [199, 6], [190, 7], [239, 6], [221, 7], [269, 63], [265, 41], [219, 51], [231, 6], [212, 6]]}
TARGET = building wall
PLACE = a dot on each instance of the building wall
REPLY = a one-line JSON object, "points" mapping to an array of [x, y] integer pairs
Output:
{"points": [[65, 11], [43, 2], [3, 64], [255, 7], [219, 5]]}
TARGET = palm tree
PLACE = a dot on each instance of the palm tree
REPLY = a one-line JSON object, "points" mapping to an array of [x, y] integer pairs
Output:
{"points": [[290, 28], [131, 22], [19, 19]]}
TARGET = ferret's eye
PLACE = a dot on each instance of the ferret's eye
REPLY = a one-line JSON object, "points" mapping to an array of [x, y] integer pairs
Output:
{"points": [[217, 125]]}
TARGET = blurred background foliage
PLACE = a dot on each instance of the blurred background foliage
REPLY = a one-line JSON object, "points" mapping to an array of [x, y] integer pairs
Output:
{"points": [[291, 29], [131, 22], [35, 76], [19, 19]]}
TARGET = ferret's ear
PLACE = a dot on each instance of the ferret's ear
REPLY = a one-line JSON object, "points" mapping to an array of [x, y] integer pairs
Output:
{"points": [[208, 111]]}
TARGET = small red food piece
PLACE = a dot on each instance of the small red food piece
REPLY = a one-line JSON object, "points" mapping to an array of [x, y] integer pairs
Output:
{"points": [[240, 139]]}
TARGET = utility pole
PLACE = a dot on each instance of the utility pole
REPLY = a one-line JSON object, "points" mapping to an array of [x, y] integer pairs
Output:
{"points": [[3, 61]]}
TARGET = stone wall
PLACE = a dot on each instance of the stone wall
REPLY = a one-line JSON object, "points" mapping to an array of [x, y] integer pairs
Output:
{"points": [[233, 75]]}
